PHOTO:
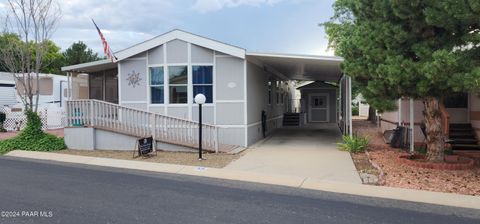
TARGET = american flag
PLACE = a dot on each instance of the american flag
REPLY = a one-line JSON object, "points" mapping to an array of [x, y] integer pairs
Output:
{"points": [[106, 48]]}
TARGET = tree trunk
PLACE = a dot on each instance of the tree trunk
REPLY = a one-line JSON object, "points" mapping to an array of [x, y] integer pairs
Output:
{"points": [[435, 135]]}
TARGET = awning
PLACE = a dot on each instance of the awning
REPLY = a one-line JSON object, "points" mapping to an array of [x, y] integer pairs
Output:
{"points": [[301, 67], [94, 66]]}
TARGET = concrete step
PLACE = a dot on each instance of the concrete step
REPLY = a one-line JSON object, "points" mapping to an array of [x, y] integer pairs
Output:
{"points": [[461, 126], [464, 141], [456, 135], [465, 147]]}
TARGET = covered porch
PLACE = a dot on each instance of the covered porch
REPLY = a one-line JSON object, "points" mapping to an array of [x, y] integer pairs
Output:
{"points": [[95, 80]]}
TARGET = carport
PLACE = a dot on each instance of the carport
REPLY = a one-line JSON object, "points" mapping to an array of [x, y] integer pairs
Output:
{"points": [[313, 68], [306, 151]]}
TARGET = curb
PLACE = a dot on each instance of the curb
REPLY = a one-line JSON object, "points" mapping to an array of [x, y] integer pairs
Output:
{"points": [[438, 198]]}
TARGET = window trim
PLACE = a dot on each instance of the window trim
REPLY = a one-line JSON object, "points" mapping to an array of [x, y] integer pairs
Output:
{"points": [[157, 85], [173, 85], [166, 85], [212, 84]]}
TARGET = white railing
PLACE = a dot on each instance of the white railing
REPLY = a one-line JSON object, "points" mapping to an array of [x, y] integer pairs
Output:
{"points": [[140, 123]]}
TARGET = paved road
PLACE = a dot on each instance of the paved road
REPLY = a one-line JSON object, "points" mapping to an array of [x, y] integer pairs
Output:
{"points": [[84, 194], [309, 151]]}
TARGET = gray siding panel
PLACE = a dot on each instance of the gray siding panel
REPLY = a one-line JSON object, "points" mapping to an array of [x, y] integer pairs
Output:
{"points": [[140, 106], [180, 112], [130, 92], [157, 109], [201, 54], [229, 78], [232, 136], [207, 114], [257, 99], [155, 55], [230, 113], [177, 51]]}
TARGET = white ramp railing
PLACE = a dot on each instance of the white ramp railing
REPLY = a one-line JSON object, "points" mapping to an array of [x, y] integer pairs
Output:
{"points": [[139, 123]]}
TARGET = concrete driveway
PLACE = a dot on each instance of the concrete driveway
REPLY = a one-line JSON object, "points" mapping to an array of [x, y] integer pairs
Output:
{"points": [[308, 152]]}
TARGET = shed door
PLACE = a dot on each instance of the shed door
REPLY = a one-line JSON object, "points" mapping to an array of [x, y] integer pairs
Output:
{"points": [[318, 107]]}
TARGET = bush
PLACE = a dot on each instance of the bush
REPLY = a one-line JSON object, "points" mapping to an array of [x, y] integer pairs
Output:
{"points": [[353, 144], [3, 117], [32, 138], [355, 111]]}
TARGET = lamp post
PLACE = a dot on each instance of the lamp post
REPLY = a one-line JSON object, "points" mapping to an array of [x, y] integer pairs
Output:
{"points": [[200, 99]]}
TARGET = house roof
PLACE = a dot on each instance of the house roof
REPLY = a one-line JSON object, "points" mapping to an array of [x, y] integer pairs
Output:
{"points": [[300, 67], [181, 35], [157, 41], [286, 66]]}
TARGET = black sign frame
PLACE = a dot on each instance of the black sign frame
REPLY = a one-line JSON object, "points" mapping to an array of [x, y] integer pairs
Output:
{"points": [[144, 147]]}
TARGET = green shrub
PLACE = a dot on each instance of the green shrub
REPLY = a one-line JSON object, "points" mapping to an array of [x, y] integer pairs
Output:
{"points": [[3, 117], [421, 150], [353, 144], [32, 138], [355, 111]]}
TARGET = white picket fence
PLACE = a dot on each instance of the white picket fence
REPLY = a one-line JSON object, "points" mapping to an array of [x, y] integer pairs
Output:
{"points": [[140, 123], [51, 117]]}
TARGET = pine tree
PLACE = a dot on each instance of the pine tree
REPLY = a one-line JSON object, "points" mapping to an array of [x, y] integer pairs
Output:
{"points": [[421, 49]]}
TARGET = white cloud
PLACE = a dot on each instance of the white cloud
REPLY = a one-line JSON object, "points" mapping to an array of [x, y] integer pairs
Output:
{"points": [[204, 6]]}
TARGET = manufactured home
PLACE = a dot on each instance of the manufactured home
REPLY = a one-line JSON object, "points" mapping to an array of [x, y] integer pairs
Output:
{"points": [[460, 120], [149, 90]]}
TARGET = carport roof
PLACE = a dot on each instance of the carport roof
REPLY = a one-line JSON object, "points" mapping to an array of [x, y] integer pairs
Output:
{"points": [[300, 67]]}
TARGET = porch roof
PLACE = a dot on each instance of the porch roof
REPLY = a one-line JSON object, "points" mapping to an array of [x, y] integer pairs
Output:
{"points": [[91, 66], [300, 67]]}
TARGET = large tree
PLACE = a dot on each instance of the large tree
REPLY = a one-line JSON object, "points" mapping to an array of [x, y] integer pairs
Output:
{"points": [[52, 60], [79, 53], [421, 49]]}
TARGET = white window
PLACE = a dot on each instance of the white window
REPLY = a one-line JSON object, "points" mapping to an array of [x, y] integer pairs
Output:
{"points": [[156, 85], [178, 84], [203, 81]]}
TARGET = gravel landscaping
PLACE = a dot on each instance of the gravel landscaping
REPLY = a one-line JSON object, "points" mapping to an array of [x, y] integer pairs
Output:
{"points": [[404, 176], [215, 160]]}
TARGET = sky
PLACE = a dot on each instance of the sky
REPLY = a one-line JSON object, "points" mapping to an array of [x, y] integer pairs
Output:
{"points": [[274, 26]]}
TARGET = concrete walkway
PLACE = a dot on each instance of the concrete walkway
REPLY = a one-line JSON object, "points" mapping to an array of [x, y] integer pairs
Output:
{"points": [[301, 152]]}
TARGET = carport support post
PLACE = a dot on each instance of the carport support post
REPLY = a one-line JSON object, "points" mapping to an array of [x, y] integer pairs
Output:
{"points": [[400, 112], [349, 97], [412, 127]]}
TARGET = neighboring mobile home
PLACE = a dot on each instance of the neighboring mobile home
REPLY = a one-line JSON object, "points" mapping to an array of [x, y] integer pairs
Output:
{"points": [[52, 91], [7, 91], [461, 120], [149, 90]]}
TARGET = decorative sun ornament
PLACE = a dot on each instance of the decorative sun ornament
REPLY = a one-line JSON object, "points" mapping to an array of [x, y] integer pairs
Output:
{"points": [[134, 79]]}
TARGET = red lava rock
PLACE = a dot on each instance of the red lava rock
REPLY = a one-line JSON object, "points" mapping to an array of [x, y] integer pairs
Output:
{"points": [[406, 176]]}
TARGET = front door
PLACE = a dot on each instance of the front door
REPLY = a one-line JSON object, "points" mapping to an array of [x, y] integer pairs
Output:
{"points": [[318, 107]]}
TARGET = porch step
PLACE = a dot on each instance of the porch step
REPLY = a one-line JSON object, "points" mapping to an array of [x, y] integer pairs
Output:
{"points": [[463, 137], [465, 147], [291, 119], [460, 126], [464, 141]]}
